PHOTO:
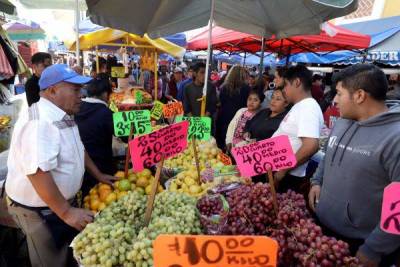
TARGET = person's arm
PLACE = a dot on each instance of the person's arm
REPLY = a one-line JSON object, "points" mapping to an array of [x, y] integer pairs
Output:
{"points": [[308, 148], [96, 173], [316, 184], [186, 100], [380, 243], [48, 191], [232, 128]]}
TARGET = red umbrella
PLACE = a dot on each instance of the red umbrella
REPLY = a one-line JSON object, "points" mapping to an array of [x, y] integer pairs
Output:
{"points": [[331, 38]]}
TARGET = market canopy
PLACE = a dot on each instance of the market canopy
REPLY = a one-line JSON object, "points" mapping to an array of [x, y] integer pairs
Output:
{"points": [[331, 38], [52, 4], [384, 46], [86, 26], [111, 38], [19, 31], [281, 18]]}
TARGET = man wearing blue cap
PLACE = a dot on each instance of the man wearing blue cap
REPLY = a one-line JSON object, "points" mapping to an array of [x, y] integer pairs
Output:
{"points": [[46, 164]]}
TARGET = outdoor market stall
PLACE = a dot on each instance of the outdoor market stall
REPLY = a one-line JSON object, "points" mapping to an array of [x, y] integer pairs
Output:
{"points": [[149, 49]]}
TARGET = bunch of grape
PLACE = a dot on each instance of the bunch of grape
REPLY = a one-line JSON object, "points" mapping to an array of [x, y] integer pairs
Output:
{"points": [[117, 236], [174, 213], [301, 241], [108, 238]]}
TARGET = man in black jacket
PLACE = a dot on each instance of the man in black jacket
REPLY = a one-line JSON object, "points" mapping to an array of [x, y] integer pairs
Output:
{"points": [[40, 61]]}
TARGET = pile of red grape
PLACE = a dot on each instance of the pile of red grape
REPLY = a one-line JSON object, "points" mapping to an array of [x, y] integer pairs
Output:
{"points": [[301, 241]]}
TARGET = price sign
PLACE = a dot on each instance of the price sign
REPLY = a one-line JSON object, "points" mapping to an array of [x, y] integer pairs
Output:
{"points": [[390, 217], [200, 127], [118, 72], [113, 107], [207, 251], [138, 97], [123, 120], [172, 109], [147, 150], [257, 158], [224, 158], [157, 110]]}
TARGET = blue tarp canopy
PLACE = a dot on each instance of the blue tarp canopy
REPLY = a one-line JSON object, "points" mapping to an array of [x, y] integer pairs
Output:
{"points": [[249, 59], [384, 47]]}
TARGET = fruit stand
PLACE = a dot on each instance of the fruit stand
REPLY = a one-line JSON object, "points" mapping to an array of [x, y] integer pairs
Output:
{"points": [[203, 196]]}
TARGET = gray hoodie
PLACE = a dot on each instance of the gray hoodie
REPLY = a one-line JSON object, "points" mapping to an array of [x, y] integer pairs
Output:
{"points": [[361, 159]]}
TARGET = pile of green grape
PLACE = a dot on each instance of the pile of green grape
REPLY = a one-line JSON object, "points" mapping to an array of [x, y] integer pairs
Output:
{"points": [[117, 236]]}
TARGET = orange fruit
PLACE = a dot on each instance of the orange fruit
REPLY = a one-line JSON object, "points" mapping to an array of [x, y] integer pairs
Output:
{"points": [[104, 194], [104, 187], [94, 204], [111, 198], [102, 205], [120, 174]]}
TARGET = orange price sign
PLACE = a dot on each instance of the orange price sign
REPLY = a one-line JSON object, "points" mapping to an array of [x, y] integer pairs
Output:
{"points": [[208, 250], [225, 159], [172, 109]]}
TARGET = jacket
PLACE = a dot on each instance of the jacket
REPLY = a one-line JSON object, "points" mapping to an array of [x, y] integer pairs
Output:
{"points": [[361, 159]]}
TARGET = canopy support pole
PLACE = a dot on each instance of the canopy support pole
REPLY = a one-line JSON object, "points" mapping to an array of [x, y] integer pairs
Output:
{"points": [[262, 58], [155, 75], [77, 17], [244, 60], [210, 27], [97, 60]]}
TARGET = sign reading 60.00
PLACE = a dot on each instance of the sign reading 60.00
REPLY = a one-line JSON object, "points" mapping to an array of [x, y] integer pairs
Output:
{"points": [[147, 150]]}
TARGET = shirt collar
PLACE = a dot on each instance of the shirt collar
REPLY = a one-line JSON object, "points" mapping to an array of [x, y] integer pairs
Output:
{"points": [[94, 101], [52, 110]]}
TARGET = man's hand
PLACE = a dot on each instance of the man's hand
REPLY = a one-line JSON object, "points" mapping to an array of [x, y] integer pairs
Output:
{"points": [[313, 196], [278, 176], [77, 218], [365, 261], [107, 179]]}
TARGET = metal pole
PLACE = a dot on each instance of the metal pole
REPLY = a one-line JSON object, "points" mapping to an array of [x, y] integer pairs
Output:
{"points": [[244, 60], [262, 58], [97, 60], [77, 32], [210, 25]]}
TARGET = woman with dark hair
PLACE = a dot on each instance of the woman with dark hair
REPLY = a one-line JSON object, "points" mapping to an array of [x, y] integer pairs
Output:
{"points": [[95, 124], [266, 121], [235, 134], [233, 96]]}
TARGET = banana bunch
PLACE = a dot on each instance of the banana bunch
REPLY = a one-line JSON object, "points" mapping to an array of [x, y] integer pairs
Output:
{"points": [[147, 61]]}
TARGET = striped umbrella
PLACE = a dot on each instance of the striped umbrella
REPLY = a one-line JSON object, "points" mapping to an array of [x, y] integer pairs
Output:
{"points": [[19, 31]]}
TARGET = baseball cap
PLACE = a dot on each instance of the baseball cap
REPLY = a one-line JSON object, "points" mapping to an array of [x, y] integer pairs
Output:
{"points": [[60, 73], [177, 69]]}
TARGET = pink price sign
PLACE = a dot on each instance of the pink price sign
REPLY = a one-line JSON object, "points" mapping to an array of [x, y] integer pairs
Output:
{"points": [[148, 150], [390, 217], [257, 158]]}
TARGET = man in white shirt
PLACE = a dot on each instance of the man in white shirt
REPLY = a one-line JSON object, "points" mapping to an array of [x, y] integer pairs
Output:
{"points": [[302, 125], [46, 164]]}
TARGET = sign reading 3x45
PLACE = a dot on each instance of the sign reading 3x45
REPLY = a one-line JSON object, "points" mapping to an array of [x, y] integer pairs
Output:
{"points": [[139, 118]]}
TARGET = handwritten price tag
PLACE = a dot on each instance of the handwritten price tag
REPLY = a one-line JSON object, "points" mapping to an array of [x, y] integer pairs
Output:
{"points": [[157, 110], [206, 251], [123, 120], [257, 158], [138, 97], [172, 109], [147, 150], [200, 127], [118, 72], [390, 217], [224, 158]]}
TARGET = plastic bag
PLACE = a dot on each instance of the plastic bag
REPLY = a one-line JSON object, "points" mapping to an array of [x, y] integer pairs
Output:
{"points": [[214, 210]]}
